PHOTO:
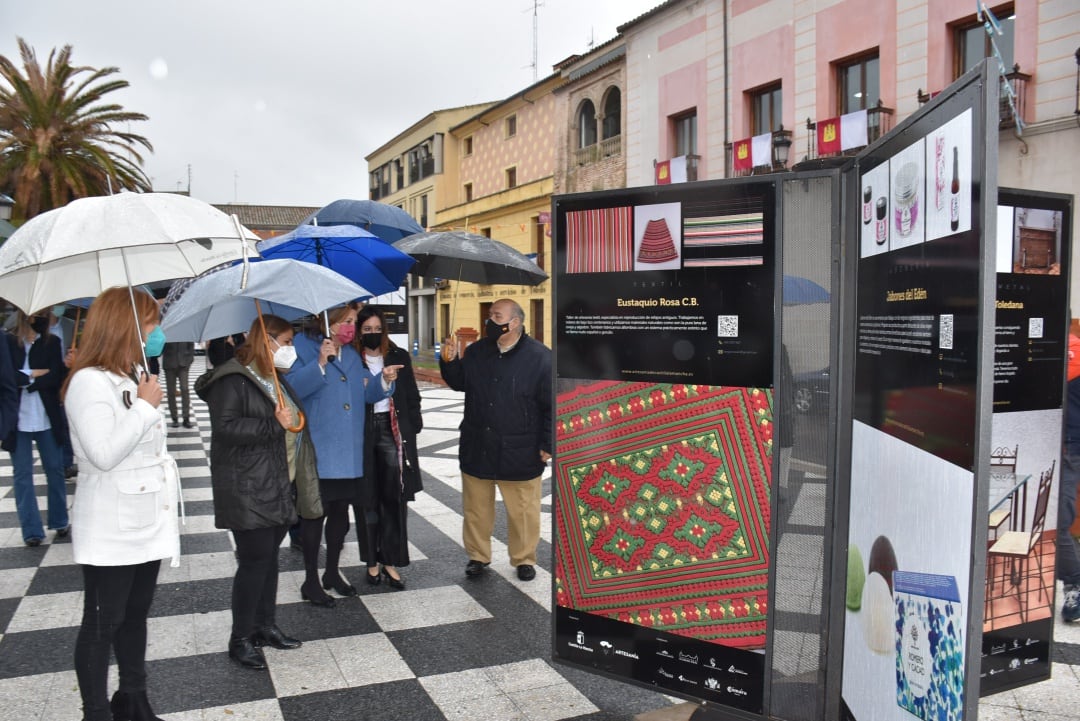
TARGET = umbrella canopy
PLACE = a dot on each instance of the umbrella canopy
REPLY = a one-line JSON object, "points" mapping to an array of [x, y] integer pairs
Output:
{"points": [[803, 291], [351, 251], [219, 304], [388, 222], [456, 255], [95, 243]]}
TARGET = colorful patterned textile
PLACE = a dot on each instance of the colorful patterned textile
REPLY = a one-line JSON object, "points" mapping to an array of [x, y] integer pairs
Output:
{"points": [[599, 241], [724, 230], [663, 507], [657, 245]]}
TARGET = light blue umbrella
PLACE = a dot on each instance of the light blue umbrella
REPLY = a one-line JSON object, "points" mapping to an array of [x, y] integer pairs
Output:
{"points": [[224, 302]]}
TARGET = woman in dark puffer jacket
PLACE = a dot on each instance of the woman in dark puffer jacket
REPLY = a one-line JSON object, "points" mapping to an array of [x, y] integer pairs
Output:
{"points": [[258, 450]]}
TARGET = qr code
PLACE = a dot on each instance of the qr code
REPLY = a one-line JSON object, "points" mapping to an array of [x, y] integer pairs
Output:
{"points": [[727, 326], [945, 332], [1035, 327]]}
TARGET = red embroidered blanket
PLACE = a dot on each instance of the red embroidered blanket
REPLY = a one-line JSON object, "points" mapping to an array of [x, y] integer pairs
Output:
{"points": [[663, 507]]}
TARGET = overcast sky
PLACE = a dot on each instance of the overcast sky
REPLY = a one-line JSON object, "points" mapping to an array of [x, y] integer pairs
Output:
{"points": [[278, 103]]}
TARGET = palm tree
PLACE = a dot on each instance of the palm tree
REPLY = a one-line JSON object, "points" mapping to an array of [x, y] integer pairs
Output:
{"points": [[59, 138]]}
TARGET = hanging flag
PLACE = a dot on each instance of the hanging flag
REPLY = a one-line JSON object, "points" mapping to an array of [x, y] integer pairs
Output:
{"points": [[663, 172], [678, 169], [741, 155], [853, 129], [828, 136], [761, 149]]}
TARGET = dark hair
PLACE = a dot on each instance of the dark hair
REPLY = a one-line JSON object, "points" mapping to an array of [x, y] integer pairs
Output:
{"points": [[257, 347], [366, 313], [111, 339]]}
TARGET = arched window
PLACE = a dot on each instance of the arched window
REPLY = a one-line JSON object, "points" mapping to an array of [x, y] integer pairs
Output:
{"points": [[612, 113], [586, 119]]}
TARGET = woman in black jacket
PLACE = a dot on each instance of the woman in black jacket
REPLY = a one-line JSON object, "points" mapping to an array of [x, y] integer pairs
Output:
{"points": [[257, 450], [391, 463], [39, 373]]}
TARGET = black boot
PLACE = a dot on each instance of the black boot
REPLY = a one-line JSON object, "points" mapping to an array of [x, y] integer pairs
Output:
{"points": [[273, 636], [132, 706], [244, 652]]}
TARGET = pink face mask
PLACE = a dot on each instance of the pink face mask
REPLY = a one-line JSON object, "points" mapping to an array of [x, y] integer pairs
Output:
{"points": [[345, 333]]}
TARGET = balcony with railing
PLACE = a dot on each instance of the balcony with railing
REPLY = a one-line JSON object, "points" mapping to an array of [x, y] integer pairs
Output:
{"points": [[879, 120], [596, 152], [1015, 82], [380, 190], [779, 148]]}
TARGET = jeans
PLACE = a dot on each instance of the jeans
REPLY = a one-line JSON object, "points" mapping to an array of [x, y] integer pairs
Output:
{"points": [[1068, 560], [26, 503], [115, 606]]}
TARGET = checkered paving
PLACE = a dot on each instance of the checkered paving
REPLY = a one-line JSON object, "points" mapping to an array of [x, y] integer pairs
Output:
{"points": [[447, 648]]}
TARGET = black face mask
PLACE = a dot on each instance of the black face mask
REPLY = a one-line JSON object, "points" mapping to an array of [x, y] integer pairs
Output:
{"points": [[371, 341], [40, 325], [495, 330]]}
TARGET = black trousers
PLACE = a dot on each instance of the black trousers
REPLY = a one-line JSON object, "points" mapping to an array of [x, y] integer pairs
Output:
{"points": [[381, 530], [254, 591], [115, 606]]}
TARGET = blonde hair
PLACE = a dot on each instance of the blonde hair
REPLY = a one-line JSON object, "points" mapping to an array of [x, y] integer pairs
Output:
{"points": [[111, 339]]}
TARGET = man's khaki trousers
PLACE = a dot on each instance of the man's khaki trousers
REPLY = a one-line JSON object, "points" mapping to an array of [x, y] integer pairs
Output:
{"points": [[522, 500]]}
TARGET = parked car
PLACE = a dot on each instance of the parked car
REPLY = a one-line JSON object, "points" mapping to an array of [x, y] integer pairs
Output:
{"points": [[811, 391]]}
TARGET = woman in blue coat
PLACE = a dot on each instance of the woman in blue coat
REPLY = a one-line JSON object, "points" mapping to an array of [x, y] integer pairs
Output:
{"points": [[334, 387]]}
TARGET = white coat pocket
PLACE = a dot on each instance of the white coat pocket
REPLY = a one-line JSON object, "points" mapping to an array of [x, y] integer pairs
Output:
{"points": [[139, 501]]}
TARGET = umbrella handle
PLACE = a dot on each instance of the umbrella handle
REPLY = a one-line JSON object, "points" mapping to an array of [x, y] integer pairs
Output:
{"points": [[326, 322], [75, 332]]}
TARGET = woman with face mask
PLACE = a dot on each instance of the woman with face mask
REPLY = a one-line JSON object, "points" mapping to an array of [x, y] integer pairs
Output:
{"points": [[391, 464], [334, 386], [124, 519], [258, 450], [39, 373]]}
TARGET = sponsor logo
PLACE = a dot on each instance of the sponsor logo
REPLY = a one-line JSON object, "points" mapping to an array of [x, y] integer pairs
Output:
{"points": [[607, 647], [711, 663], [663, 652], [687, 658], [684, 679], [737, 671], [579, 643], [627, 654], [997, 649], [1028, 661], [712, 683], [736, 691], [995, 671], [1016, 643], [664, 673], [1014, 664], [1030, 641]]}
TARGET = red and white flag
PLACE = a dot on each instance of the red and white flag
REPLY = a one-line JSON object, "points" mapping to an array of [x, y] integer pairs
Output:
{"points": [[663, 172], [836, 135]]}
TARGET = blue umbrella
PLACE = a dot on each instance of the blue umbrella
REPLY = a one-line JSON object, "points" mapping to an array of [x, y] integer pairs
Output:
{"points": [[803, 291], [353, 252], [388, 222], [222, 303]]}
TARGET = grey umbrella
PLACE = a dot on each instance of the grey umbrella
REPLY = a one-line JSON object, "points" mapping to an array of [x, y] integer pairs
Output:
{"points": [[457, 255]]}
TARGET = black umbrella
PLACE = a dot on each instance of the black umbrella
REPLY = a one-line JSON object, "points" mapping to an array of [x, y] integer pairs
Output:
{"points": [[457, 255]]}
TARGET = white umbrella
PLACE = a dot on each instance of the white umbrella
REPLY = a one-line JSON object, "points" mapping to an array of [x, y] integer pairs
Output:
{"points": [[95, 243]]}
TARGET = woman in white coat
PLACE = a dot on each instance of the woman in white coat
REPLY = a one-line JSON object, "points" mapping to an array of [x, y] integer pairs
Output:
{"points": [[124, 519]]}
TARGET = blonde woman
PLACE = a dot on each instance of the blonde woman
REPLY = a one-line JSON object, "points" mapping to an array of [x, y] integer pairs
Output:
{"points": [[124, 519]]}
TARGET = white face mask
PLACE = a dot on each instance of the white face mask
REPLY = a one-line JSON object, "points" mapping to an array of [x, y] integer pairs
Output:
{"points": [[284, 357]]}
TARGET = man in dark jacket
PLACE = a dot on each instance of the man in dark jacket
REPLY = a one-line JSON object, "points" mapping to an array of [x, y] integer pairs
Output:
{"points": [[176, 362], [505, 434]]}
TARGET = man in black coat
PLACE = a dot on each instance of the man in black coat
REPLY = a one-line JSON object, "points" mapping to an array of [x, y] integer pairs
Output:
{"points": [[505, 435]]}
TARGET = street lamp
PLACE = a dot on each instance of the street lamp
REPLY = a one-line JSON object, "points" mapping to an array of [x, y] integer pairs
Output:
{"points": [[781, 143], [6, 204]]}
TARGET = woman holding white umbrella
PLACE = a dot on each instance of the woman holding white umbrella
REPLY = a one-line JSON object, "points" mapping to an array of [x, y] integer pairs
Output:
{"points": [[124, 519]]}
